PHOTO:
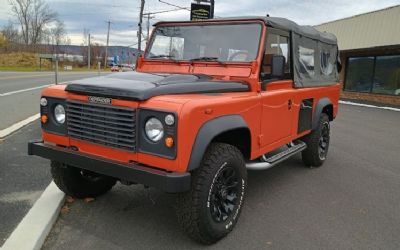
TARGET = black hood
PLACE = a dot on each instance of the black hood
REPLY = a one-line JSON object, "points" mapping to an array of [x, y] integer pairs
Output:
{"points": [[142, 86]]}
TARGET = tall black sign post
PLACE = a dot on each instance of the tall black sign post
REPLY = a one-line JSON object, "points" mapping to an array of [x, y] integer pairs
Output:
{"points": [[201, 10]]}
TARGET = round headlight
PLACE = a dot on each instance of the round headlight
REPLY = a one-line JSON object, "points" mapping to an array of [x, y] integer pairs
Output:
{"points": [[154, 129], [43, 102], [169, 120], [59, 113]]}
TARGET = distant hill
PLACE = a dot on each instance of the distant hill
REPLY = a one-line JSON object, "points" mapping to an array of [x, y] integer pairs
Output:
{"points": [[124, 54], [121, 51], [112, 50]]}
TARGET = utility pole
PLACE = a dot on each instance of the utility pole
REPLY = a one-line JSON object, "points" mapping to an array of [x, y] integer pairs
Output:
{"points": [[139, 35], [56, 69], [148, 25], [212, 2], [88, 61], [108, 38]]}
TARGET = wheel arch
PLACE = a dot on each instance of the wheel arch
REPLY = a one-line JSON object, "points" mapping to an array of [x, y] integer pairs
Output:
{"points": [[231, 129], [324, 105]]}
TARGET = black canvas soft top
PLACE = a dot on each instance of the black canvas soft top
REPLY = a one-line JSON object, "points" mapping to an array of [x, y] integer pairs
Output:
{"points": [[283, 24], [305, 30]]}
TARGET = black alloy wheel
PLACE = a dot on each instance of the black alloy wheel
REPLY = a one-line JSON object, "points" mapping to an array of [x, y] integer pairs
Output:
{"points": [[324, 141], [317, 143], [224, 194], [211, 209]]}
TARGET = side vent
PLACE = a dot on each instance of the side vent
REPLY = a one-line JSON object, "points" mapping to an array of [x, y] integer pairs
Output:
{"points": [[305, 115]]}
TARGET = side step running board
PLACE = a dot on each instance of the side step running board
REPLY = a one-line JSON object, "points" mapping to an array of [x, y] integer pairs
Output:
{"points": [[275, 159]]}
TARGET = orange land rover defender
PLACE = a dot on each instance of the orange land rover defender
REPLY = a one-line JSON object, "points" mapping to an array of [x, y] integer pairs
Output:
{"points": [[208, 101]]}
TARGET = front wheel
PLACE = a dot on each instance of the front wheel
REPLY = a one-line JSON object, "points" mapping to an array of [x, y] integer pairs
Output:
{"points": [[317, 143], [210, 210], [80, 183]]}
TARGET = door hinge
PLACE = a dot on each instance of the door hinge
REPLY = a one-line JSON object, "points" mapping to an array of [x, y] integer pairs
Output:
{"points": [[260, 139], [290, 104]]}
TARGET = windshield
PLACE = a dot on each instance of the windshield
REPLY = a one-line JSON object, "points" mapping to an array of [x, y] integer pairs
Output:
{"points": [[223, 43]]}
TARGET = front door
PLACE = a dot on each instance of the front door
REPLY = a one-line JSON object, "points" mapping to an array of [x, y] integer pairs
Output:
{"points": [[277, 97], [277, 115]]}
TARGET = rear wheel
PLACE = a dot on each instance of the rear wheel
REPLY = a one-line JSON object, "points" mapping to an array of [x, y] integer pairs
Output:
{"points": [[211, 209], [80, 183], [317, 143]]}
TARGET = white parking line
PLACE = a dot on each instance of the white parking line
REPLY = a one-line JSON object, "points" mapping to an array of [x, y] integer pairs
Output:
{"points": [[7, 131], [368, 106], [24, 90], [32, 231]]}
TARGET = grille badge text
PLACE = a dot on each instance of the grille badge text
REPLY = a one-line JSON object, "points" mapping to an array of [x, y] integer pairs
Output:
{"points": [[100, 100]]}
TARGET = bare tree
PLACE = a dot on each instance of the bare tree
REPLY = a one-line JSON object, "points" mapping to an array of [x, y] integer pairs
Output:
{"points": [[12, 36], [96, 53], [58, 33], [85, 36], [85, 41], [33, 16], [10, 32], [22, 10], [3, 41], [42, 15]]}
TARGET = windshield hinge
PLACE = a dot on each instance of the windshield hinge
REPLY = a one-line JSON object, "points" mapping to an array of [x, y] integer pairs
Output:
{"points": [[254, 67]]}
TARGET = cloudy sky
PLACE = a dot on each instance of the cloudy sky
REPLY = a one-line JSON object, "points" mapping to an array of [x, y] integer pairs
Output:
{"points": [[123, 14]]}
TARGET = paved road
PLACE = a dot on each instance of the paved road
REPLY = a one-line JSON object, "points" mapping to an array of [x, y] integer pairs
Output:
{"points": [[22, 178], [20, 93], [352, 202]]}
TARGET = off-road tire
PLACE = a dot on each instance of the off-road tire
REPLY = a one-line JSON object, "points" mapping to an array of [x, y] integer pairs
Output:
{"points": [[312, 156], [194, 207], [71, 181]]}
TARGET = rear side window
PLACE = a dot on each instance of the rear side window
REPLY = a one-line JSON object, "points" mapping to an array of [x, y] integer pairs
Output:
{"points": [[306, 59], [314, 62], [327, 63]]}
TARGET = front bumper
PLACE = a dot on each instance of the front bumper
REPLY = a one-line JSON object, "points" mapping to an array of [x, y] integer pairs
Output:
{"points": [[170, 182]]}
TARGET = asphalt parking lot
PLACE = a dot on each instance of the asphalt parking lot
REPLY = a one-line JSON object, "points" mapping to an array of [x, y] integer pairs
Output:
{"points": [[352, 202]]}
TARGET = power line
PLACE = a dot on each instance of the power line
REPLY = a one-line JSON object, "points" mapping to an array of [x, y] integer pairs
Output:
{"points": [[161, 11], [143, 40], [173, 5]]}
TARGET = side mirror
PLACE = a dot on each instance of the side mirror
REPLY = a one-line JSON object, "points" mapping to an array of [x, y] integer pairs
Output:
{"points": [[278, 67]]}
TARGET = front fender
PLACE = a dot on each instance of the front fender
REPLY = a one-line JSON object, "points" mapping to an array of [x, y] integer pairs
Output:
{"points": [[208, 132]]}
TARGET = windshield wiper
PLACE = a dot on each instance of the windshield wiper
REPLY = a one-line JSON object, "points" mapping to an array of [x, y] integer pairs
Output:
{"points": [[206, 58], [163, 56]]}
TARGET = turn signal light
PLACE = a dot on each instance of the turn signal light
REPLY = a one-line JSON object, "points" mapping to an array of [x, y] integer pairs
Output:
{"points": [[169, 142], [44, 119]]}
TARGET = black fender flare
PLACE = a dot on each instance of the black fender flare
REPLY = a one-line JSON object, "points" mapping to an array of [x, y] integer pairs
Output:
{"points": [[321, 104], [208, 131]]}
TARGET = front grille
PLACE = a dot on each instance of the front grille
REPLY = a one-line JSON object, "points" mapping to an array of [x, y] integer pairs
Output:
{"points": [[102, 124]]}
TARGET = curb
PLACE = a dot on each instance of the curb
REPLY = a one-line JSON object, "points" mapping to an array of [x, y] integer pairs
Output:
{"points": [[368, 105], [32, 231], [7, 131]]}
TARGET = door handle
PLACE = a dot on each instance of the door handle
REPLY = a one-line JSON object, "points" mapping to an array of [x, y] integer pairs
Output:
{"points": [[290, 104]]}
